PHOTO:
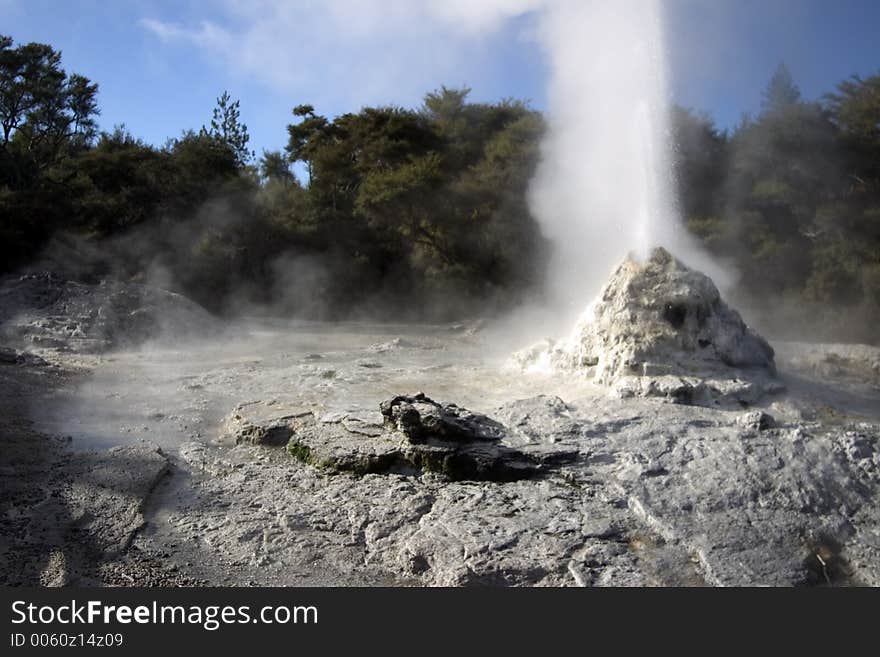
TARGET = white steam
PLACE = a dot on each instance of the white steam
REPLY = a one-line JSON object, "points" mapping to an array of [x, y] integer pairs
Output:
{"points": [[605, 186]]}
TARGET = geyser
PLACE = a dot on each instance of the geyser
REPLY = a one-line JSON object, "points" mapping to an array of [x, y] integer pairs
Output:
{"points": [[605, 186], [660, 328]]}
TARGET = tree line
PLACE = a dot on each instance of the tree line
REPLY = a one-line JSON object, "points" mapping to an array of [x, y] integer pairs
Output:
{"points": [[422, 213], [791, 199]]}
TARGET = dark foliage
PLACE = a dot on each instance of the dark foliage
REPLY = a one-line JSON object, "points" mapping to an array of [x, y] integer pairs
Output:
{"points": [[792, 199]]}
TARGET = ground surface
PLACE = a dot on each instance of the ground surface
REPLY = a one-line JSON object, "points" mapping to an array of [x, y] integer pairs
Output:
{"points": [[123, 468]]}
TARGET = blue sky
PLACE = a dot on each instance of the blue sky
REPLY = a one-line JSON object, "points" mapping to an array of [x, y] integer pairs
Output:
{"points": [[160, 63]]}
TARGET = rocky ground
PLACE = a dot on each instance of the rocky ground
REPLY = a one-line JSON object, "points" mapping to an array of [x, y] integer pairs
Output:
{"points": [[43, 310], [69, 517], [614, 493], [302, 455]]}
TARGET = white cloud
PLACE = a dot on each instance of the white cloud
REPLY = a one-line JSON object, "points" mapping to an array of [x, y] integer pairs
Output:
{"points": [[480, 15], [206, 35], [348, 52]]}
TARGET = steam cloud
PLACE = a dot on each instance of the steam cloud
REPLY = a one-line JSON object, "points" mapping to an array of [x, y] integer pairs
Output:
{"points": [[605, 185]]}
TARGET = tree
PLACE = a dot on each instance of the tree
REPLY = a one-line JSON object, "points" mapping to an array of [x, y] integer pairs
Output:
{"points": [[781, 91], [228, 129], [447, 108], [44, 113], [47, 120], [403, 198], [785, 173], [855, 109], [203, 167], [275, 167], [124, 180], [700, 158], [306, 137]]}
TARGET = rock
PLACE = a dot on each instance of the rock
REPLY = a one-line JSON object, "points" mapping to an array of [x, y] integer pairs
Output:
{"points": [[262, 423], [857, 447], [691, 389], [334, 448], [659, 328], [272, 434], [419, 435], [577, 489], [276, 433], [857, 363], [449, 439], [756, 421], [541, 420], [391, 345], [47, 311], [421, 418], [611, 493], [15, 357], [862, 449]]}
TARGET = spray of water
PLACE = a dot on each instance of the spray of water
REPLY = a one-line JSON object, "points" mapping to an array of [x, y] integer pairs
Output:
{"points": [[605, 185]]}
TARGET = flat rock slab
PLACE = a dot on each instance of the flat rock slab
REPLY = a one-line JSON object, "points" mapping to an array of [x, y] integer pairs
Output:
{"points": [[264, 423], [418, 435], [844, 362], [708, 391]]}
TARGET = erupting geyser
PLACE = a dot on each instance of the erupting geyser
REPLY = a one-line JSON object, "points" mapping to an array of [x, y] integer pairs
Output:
{"points": [[605, 185], [605, 192]]}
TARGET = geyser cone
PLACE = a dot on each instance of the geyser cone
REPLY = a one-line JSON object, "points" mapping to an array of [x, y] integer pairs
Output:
{"points": [[660, 317], [659, 327]]}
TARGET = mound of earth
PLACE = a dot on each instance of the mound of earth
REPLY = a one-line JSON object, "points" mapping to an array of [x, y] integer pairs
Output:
{"points": [[659, 328], [43, 310]]}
